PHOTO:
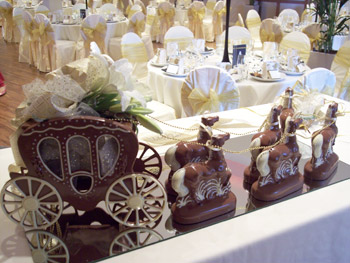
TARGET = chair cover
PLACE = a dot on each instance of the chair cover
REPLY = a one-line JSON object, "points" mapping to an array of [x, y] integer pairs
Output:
{"points": [[237, 35], [166, 15], [133, 49], [313, 32], [108, 9], [41, 9], [253, 23], [152, 22], [289, 13], [299, 41], [24, 39], [17, 23], [345, 87], [179, 34], [270, 31], [196, 14], [76, 8], [28, 28], [307, 16], [213, 22], [209, 89], [210, 5], [340, 66], [93, 29], [8, 26], [137, 23], [52, 53], [321, 80]]}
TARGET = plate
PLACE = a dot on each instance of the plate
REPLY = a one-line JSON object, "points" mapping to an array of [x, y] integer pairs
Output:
{"points": [[283, 76], [158, 64], [176, 75], [292, 73], [210, 52]]}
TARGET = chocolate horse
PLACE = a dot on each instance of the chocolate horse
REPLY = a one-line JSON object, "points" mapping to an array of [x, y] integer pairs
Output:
{"points": [[278, 167], [204, 189], [183, 153], [287, 109], [324, 161], [269, 136]]}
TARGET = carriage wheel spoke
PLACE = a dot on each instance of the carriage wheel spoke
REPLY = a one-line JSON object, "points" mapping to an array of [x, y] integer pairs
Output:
{"points": [[14, 211], [120, 194], [143, 153], [153, 207], [122, 245], [48, 211], [130, 241], [127, 216], [19, 189], [150, 158], [14, 195], [150, 191], [23, 218], [54, 248], [137, 217], [51, 260], [134, 185], [34, 219], [46, 196], [38, 191], [118, 211], [11, 202], [147, 239], [47, 243], [30, 187], [126, 188], [147, 214], [150, 173], [138, 238]]}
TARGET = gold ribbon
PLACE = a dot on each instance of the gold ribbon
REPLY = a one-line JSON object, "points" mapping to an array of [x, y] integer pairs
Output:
{"points": [[217, 20], [183, 43], [266, 37], [96, 34], [41, 31], [167, 16], [253, 22], [18, 19], [135, 52], [6, 13], [210, 5], [345, 87], [137, 27], [342, 57], [313, 32], [196, 21], [44, 12]]}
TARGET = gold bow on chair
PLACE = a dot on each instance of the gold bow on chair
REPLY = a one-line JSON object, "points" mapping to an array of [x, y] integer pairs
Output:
{"points": [[253, 22], [201, 103], [267, 37], [8, 25], [135, 52], [166, 16], [41, 32], [196, 21], [137, 27], [217, 21], [197, 15], [95, 34]]}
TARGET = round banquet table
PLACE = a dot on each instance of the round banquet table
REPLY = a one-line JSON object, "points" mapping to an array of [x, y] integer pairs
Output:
{"points": [[72, 32], [167, 89]]}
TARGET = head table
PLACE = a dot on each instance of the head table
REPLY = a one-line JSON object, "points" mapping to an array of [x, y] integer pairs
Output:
{"points": [[313, 227]]}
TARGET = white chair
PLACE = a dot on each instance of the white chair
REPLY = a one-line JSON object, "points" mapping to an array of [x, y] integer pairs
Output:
{"points": [[6, 10], [76, 8], [270, 31], [210, 8], [17, 23], [166, 15], [237, 35], [340, 66], [313, 30], [33, 44], [218, 16], [253, 23], [133, 49], [52, 53], [209, 89], [108, 9], [179, 34], [288, 15], [196, 14], [321, 80], [41, 9], [212, 23], [143, 7], [240, 21], [93, 29], [24, 39], [298, 41]]}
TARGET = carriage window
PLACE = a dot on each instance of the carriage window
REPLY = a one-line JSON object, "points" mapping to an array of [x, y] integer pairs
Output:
{"points": [[108, 153], [79, 153], [50, 154]]}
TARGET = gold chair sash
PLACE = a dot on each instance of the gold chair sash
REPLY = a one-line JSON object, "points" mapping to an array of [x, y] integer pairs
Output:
{"points": [[96, 34], [342, 57], [44, 12], [313, 32], [253, 22], [210, 5], [137, 27], [217, 21], [267, 37], [41, 31], [183, 43], [201, 103], [345, 87], [8, 25], [135, 52], [302, 47], [166, 16], [196, 21]]}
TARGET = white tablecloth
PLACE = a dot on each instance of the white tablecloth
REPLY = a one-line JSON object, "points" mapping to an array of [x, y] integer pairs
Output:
{"points": [[314, 227], [167, 89]]}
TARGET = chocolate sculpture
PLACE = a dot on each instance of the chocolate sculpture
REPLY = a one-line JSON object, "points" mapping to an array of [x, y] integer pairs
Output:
{"points": [[287, 109], [324, 161], [183, 153], [269, 136], [278, 167], [204, 189]]}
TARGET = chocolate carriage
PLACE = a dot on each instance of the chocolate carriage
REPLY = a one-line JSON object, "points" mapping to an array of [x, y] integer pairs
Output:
{"points": [[77, 162]]}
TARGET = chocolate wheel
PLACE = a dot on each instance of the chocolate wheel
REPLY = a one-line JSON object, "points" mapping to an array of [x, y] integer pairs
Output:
{"points": [[148, 161], [46, 247], [31, 202], [136, 200], [133, 238]]}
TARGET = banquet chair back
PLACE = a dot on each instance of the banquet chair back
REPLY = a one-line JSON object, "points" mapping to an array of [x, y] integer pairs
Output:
{"points": [[253, 23], [321, 80], [313, 32], [210, 7], [133, 49], [76, 8], [218, 15], [28, 27], [307, 16], [166, 15], [41, 9], [196, 14], [298, 41], [179, 34], [143, 7], [240, 21], [17, 23], [21, 35], [289, 15], [137, 23], [93, 29], [209, 89], [270, 31], [108, 9], [237, 35], [131, 10], [345, 87], [6, 10], [340, 66]]}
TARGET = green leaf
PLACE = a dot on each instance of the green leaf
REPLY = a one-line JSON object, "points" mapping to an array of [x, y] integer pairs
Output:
{"points": [[139, 110], [149, 124]]}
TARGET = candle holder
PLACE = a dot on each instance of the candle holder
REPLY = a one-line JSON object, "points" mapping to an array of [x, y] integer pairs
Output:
{"points": [[226, 57]]}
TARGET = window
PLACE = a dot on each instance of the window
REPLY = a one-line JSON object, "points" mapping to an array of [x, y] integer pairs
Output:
{"points": [[50, 154], [79, 154], [108, 154]]}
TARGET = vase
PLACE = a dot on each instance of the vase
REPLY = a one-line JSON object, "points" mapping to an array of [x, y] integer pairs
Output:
{"points": [[320, 59]]}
